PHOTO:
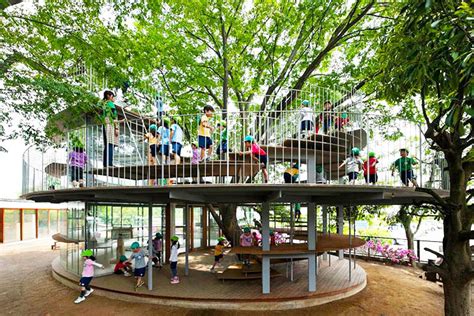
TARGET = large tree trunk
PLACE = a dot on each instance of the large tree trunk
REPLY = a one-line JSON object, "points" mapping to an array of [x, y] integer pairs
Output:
{"points": [[457, 254], [227, 221]]}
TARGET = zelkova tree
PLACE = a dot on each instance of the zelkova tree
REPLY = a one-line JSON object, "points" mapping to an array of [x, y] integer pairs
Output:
{"points": [[427, 57]]}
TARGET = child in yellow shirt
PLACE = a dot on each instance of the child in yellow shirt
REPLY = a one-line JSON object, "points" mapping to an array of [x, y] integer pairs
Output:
{"points": [[218, 252]]}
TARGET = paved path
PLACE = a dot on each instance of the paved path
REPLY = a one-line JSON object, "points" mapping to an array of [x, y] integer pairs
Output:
{"points": [[27, 288]]}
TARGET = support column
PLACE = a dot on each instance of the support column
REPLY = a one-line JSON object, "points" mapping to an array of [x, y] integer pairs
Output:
{"points": [[265, 247], [312, 247], [150, 247], [187, 222], [325, 227], [340, 227], [311, 169]]}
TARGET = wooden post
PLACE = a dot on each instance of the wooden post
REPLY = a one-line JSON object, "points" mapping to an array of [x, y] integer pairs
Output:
{"points": [[37, 222], [21, 224], [2, 224]]}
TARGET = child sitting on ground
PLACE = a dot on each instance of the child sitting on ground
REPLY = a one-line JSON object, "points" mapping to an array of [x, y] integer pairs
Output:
{"points": [[292, 174], [157, 249], [353, 165], [174, 259], [258, 154], [140, 265], [404, 165], [87, 274], [218, 252], [370, 169], [204, 133], [123, 267]]}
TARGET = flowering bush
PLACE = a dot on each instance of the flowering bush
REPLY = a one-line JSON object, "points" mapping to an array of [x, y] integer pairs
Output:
{"points": [[392, 254]]}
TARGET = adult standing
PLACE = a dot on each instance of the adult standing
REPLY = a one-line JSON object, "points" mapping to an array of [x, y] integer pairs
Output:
{"points": [[110, 130]]}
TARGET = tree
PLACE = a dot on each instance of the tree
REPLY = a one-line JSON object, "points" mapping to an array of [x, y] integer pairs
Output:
{"points": [[427, 56]]}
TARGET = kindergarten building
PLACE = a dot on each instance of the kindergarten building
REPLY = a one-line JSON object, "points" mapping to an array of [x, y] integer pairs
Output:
{"points": [[132, 199]]}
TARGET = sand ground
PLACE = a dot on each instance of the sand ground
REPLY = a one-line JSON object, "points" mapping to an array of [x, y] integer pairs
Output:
{"points": [[27, 288]]}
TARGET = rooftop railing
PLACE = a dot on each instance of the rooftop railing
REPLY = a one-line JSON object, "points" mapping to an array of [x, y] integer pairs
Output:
{"points": [[291, 146]]}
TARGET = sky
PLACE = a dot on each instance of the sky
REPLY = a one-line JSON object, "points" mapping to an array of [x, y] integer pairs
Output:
{"points": [[10, 169]]}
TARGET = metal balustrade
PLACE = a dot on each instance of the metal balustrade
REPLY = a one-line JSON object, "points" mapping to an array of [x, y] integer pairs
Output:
{"points": [[318, 148]]}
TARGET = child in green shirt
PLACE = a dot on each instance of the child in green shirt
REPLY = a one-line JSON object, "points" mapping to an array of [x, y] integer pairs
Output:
{"points": [[404, 165]]}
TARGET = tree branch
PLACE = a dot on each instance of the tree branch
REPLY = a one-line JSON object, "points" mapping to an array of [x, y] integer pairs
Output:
{"points": [[465, 235]]}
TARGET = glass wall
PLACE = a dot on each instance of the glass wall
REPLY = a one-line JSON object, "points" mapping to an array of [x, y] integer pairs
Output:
{"points": [[11, 228], [53, 221], [29, 224], [43, 223], [197, 227], [213, 230]]}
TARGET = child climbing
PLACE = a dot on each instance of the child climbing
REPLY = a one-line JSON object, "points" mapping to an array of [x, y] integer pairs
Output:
{"points": [[246, 240], [157, 250], [87, 275], [123, 267], [222, 147], [292, 174], [140, 265], [77, 162], [353, 165], [218, 253], [176, 136], [258, 154], [174, 259], [370, 169], [404, 165], [163, 140], [307, 117], [204, 133], [297, 211]]}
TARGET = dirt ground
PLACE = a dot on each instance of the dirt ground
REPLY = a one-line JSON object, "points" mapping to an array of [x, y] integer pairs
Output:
{"points": [[27, 288]]}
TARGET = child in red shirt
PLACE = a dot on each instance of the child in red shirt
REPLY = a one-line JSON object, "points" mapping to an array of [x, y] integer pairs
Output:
{"points": [[123, 267], [258, 155], [370, 169]]}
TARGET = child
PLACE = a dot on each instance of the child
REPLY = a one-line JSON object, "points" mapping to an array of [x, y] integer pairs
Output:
{"points": [[87, 275], [370, 169], [222, 147], [176, 136], [246, 240], [204, 133], [272, 238], [140, 265], [292, 174], [297, 211], [110, 130], [164, 140], [353, 165], [320, 175], [151, 137], [258, 154], [157, 249], [174, 259], [404, 165], [123, 267], [160, 109], [218, 252], [325, 117], [341, 121], [196, 154], [306, 113], [77, 163], [256, 239]]}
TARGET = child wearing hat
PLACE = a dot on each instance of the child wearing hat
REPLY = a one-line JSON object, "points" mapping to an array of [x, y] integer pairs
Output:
{"points": [[353, 165], [123, 267], [258, 154], [404, 165], [176, 136], [204, 132], [222, 147], [218, 253], [151, 137], [370, 169], [163, 141], [157, 250], [87, 274], [307, 117], [246, 240], [138, 254], [174, 259]]}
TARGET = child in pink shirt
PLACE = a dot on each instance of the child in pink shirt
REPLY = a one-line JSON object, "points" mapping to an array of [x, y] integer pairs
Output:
{"points": [[258, 154], [87, 275]]}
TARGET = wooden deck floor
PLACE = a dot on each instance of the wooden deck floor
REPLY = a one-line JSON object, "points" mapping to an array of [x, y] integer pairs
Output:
{"points": [[203, 285]]}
